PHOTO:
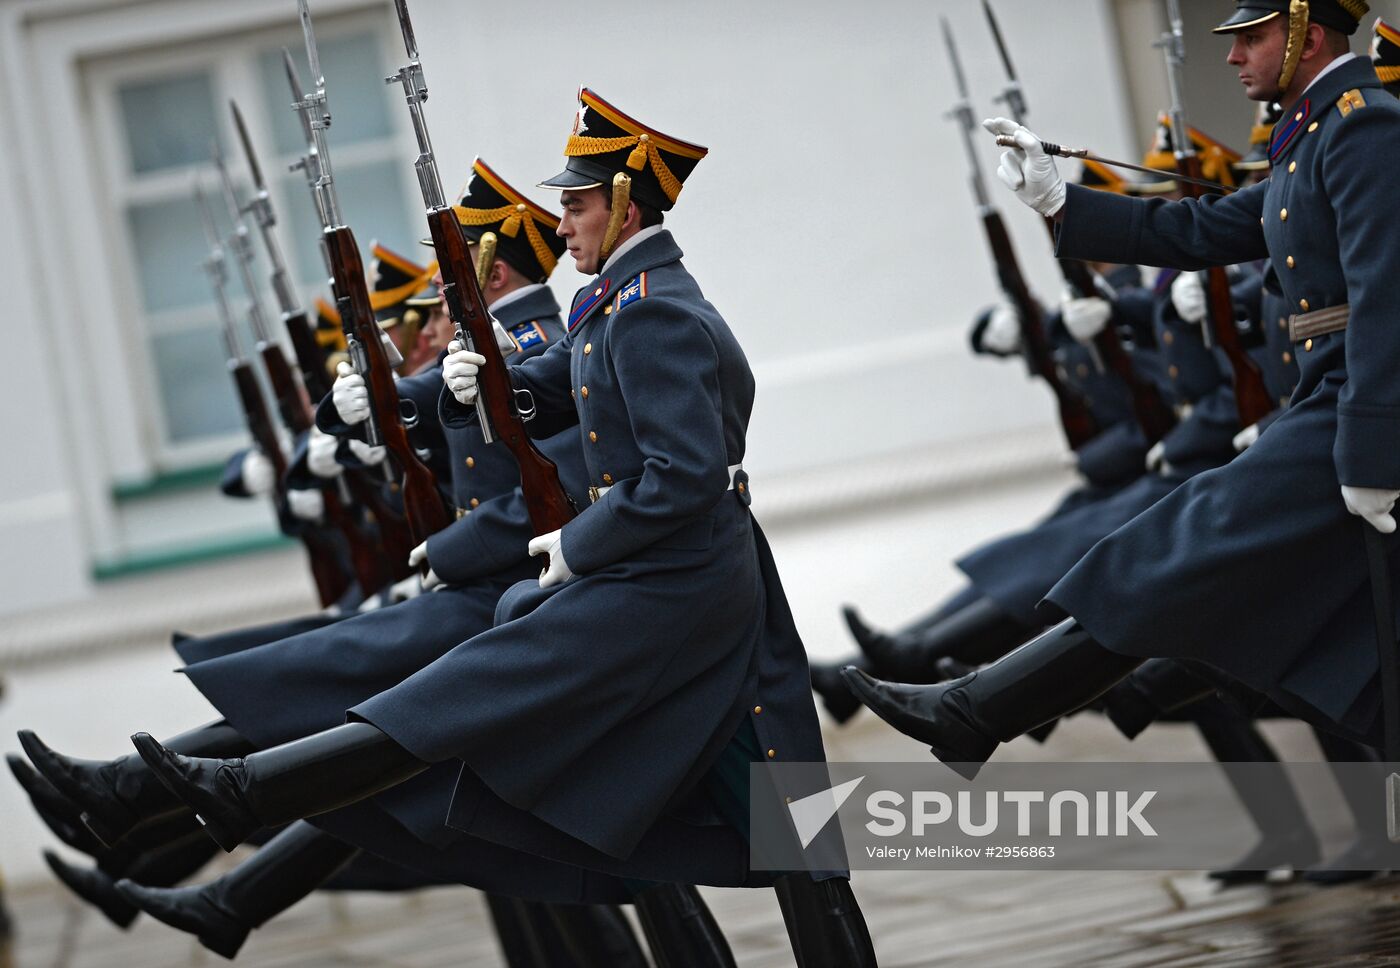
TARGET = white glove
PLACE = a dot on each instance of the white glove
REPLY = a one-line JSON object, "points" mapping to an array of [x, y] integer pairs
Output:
{"points": [[1003, 332], [1371, 503], [320, 455], [1027, 170], [366, 454], [419, 556], [1189, 297], [552, 544], [1085, 317], [504, 341], [459, 369], [349, 396], [402, 591], [257, 474], [1156, 458], [307, 505], [1245, 438]]}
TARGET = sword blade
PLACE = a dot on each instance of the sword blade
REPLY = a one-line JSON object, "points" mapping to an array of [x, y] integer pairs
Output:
{"points": [[247, 144]]}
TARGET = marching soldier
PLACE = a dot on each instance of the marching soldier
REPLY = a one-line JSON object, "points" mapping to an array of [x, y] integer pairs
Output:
{"points": [[1256, 568]]}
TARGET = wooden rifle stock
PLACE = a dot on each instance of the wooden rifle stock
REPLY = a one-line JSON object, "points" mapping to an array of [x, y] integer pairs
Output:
{"points": [[297, 414], [331, 582], [311, 359], [423, 507], [1152, 413], [548, 504], [1251, 395], [1075, 417]]}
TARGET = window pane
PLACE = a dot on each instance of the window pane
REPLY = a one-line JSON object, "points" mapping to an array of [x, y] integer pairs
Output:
{"points": [[195, 388], [168, 122], [356, 93], [170, 245], [372, 204]]}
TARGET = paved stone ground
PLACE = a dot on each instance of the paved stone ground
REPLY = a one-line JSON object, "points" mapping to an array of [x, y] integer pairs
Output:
{"points": [[892, 561]]}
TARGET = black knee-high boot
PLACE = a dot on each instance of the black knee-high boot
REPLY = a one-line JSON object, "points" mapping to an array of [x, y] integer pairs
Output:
{"points": [[1361, 778], [1151, 691], [1286, 838], [303, 778], [836, 696], [596, 936], [964, 721], [118, 795], [222, 913], [978, 632], [824, 922], [680, 930], [162, 867]]}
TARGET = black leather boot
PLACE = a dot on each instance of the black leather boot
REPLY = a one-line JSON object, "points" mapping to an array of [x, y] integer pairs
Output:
{"points": [[1361, 782], [303, 778], [1153, 690], [953, 669], [597, 936], [964, 721], [680, 930], [977, 633], [116, 796], [836, 695], [824, 922], [221, 913]]}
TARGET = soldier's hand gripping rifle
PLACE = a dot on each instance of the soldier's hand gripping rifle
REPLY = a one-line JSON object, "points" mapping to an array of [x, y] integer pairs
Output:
{"points": [[423, 505], [297, 414], [1151, 412], [1251, 396], [1075, 417], [330, 582], [501, 409]]}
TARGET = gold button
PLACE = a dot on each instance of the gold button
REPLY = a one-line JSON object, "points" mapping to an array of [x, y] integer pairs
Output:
{"points": [[607, 478], [1292, 167], [1168, 337], [772, 753], [587, 348], [1173, 372], [471, 461], [1312, 127], [1303, 303], [1307, 346], [1290, 262], [607, 310], [598, 291], [742, 487], [1287, 357], [1261, 220], [593, 436], [520, 206], [1283, 215], [757, 710], [1298, 116], [474, 502], [462, 513], [1282, 323], [571, 392], [644, 138], [584, 391]]}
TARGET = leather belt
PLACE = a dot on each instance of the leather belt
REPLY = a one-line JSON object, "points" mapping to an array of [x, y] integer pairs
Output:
{"points": [[1319, 322], [595, 494]]}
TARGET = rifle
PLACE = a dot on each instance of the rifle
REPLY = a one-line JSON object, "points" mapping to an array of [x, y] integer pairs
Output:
{"points": [[1152, 413], [330, 582], [498, 403], [423, 506], [1252, 399], [1077, 421], [297, 414]]}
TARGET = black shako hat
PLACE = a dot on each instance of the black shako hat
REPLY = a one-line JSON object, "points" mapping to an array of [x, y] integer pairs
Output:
{"points": [[507, 225], [396, 280], [1343, 15], [605, 143], [1385, 55]]}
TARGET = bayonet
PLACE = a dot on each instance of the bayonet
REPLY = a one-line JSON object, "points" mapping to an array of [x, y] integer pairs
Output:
{"points": [[216, 268], [260, 207], [315, 121], [318, 79], [1012, 96], [962, 113], [242, 247], [415, 91]]}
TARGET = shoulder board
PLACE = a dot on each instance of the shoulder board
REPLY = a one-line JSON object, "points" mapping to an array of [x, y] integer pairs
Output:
{"points": [[528, 334], [633, 291], [1350, 101]]}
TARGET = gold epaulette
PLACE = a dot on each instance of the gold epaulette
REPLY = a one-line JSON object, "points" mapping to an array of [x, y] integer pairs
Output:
{"points": [[1350, 101]]}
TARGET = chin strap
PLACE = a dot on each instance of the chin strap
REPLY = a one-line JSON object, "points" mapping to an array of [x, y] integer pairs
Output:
{"points": [[621, 196], [486, 255], [1297, 36]]}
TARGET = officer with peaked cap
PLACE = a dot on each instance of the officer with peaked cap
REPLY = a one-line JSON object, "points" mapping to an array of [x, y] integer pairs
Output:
{"points": [[607, 724], [1257, 568], [1385, 54]]}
